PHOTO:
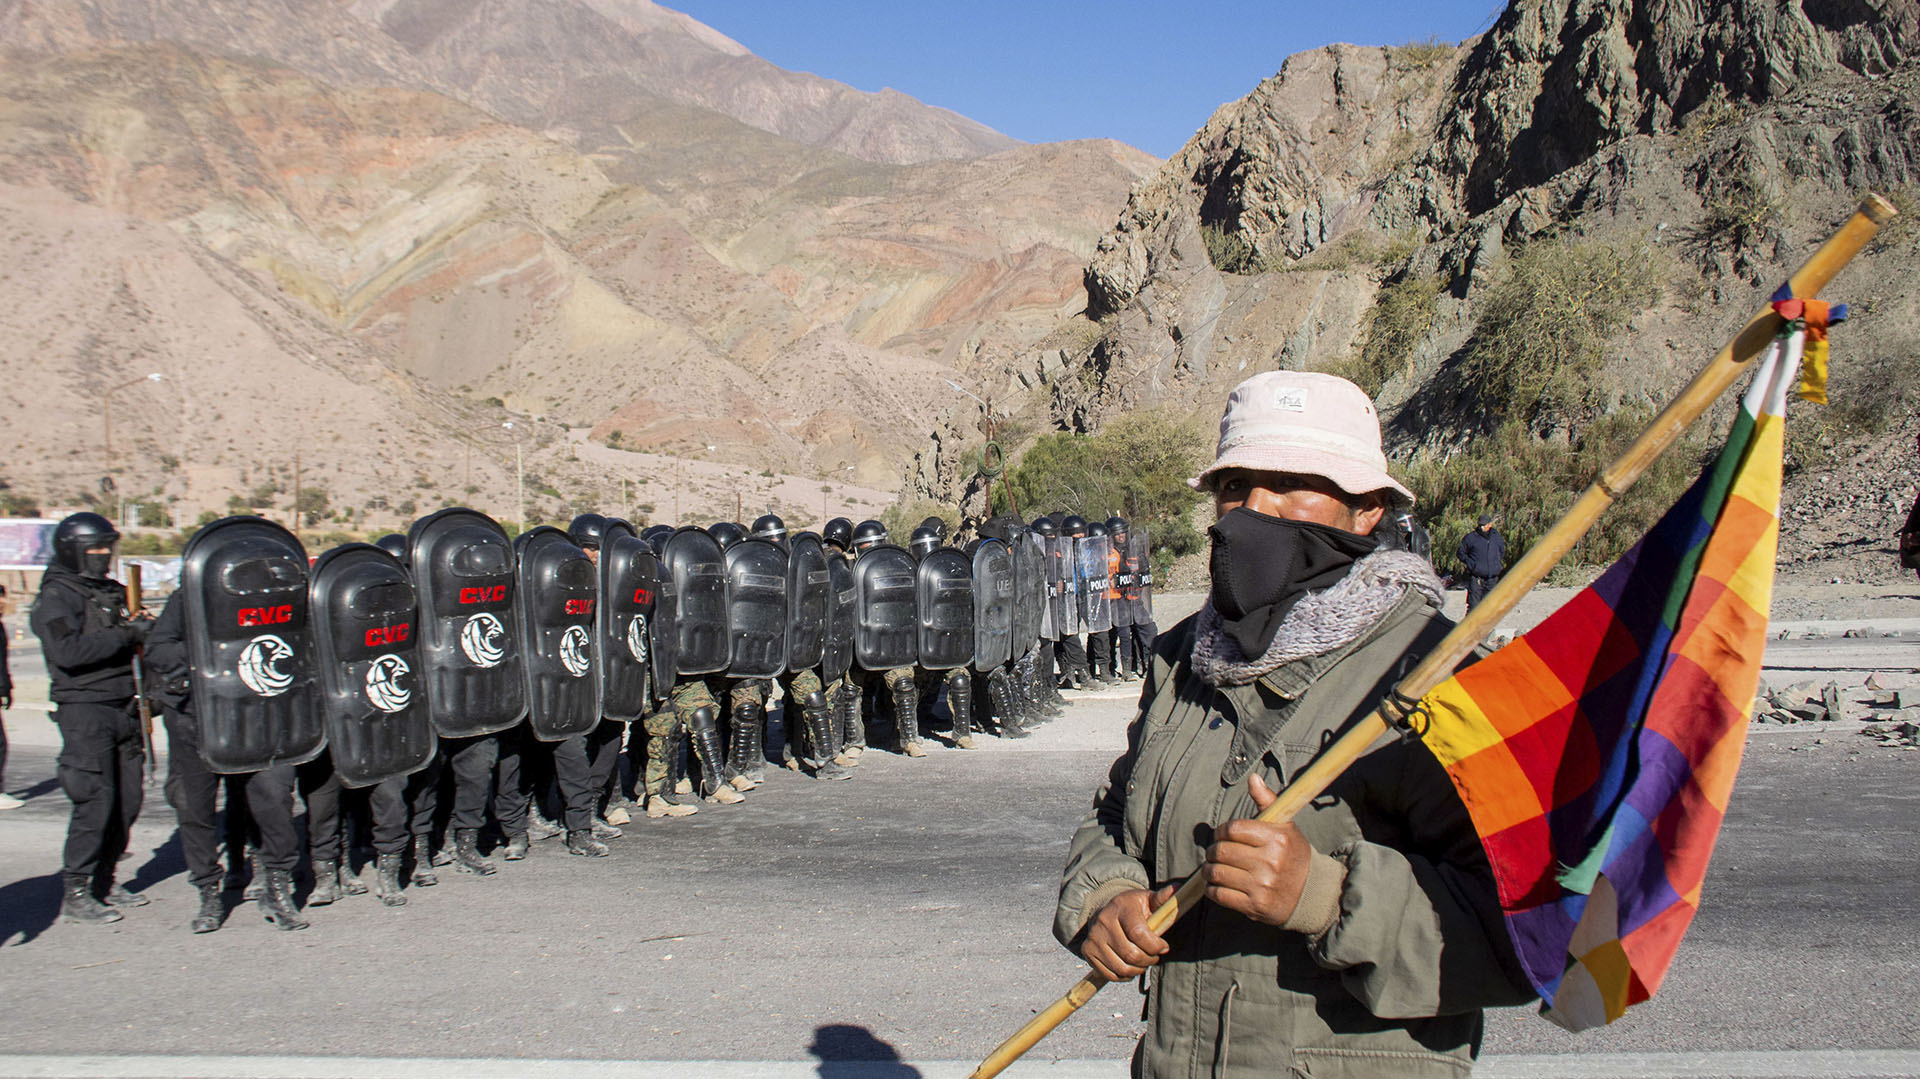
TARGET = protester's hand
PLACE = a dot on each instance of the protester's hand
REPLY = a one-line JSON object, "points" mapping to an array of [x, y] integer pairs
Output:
{"points": [[1119, 944], [1255, 867]]}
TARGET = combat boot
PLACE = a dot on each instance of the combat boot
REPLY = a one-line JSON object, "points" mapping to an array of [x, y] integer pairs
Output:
{"points": [[604, 829], [755, 767], [663, 803], [116, 895], [423, 874], [350, 882], [516, 848], [960, 703], [906, 717], [276, 905], [539, 826], [77, 903], [386, 884], [466, 854], [212, 909], [581, 842], [326, 884]]}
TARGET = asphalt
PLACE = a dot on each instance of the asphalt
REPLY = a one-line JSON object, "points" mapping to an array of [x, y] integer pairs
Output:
{"points": [[897, 925]]}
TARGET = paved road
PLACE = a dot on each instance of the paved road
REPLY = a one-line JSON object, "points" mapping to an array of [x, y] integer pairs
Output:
{"points": [[901, 917]]}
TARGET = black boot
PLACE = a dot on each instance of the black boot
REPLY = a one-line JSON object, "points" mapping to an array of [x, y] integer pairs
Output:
{"points": [[539, 826], [326, 884], [77, 903], [906, 717], [580, 841], [818, 717], [960, 703], [1006, 705], [257, 882], [516, 848], [423, 874], [756, 764], [387, 884], [116, 895], [350, 882], [212, 909], [466, 854], [705, 734], [277, 904]]}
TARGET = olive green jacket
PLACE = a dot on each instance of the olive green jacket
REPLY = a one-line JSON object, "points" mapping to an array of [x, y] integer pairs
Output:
{"points": [[1405, 943]]}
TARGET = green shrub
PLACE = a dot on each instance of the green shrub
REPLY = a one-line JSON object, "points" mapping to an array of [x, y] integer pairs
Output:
{"points": [[1403, 313], [1737, 218], [1542, 334], [902, 518], [1136, 466], [1230, 251], [1529, 482]]}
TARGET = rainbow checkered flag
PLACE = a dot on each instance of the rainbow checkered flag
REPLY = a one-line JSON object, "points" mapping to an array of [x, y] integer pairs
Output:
{"points": [[1597, 752]]}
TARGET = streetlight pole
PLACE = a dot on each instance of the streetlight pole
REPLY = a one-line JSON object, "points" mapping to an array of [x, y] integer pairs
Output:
{"points": [[519, 480]]}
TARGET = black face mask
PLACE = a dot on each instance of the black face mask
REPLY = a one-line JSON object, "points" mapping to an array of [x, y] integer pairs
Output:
{"points": [[1261, 566], [95, 565]]}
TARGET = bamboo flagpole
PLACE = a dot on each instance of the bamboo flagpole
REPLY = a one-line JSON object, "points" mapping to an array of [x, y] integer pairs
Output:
{"points": [[1666, 428]]}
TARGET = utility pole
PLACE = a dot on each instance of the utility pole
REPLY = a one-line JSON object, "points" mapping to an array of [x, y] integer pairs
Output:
{"points": [[296, 492]]}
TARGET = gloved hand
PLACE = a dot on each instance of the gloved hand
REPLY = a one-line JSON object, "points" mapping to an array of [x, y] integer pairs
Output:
{"points": [[137, 630]]}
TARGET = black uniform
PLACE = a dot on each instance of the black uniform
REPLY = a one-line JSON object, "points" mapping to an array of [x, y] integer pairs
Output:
{"points": [[1484, 554], [6, 701], [192, 787], [90, 646]]}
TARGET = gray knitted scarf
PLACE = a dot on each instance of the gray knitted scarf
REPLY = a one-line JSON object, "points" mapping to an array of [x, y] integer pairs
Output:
{"points": [[1319, 623]]}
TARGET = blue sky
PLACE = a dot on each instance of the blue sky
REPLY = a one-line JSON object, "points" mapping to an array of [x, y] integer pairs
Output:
{"points": [[1146, 73]]}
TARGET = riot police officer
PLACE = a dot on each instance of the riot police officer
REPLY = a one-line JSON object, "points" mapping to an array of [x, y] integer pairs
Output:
{"points": [[898, 681], [91, 645], [192, 788]]}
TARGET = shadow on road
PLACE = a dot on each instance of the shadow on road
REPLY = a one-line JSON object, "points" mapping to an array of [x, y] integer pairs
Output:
{"points": [[167, 860], [28, 907], [850, 1052]]}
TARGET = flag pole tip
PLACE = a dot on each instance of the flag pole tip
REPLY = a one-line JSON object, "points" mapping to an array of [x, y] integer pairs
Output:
{"points": [[1878, 209]]}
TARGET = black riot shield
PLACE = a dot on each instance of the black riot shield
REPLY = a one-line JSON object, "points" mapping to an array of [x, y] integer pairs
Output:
{"points": [[368, 655], [1140, 558], [886, 631], [698, 571], [993, 604], [629, 597], [1029, 592], [559, 592], [255, 686], [1095, 556], [943, 601], [756, 609], [1064, 590], [836, 655], [809, 602], [470, 650]]}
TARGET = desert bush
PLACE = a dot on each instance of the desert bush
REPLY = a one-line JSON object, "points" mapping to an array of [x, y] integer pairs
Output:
{"points": [[903, 517], [1737, 218], [1529, 482], [1542, 334], [1230, 251], [1402, 314]]}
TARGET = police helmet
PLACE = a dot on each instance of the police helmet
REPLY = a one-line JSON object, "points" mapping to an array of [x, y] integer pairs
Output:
{"points": [[869, 534], [587, 530], [726, 533], [771, 528], [75, 534], [838, 533]]}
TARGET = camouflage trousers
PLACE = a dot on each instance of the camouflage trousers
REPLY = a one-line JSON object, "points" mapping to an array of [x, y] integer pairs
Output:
{"points": [[795, 688], [667, 726]]}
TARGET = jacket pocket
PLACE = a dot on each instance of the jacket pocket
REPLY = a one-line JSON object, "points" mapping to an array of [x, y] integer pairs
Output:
{"points": [[1377, 1064]]}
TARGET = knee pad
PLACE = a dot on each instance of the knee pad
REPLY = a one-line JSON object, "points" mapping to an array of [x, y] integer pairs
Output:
{"points": [[704, 717], [816, 702]]}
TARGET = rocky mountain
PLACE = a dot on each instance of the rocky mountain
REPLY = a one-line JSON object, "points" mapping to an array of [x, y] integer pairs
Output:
{"points": [[467, 201], [1362, 209]]}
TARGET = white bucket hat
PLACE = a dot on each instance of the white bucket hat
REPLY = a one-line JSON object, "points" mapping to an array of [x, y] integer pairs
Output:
{"points": [[1307, 423]]}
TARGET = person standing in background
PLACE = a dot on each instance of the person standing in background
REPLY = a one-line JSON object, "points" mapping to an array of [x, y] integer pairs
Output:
{"points": [[7, 801], [1483, 552]]}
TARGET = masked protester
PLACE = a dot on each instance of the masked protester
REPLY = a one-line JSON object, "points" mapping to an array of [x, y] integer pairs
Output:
{"points": [[1365, 936], [90, 644]]}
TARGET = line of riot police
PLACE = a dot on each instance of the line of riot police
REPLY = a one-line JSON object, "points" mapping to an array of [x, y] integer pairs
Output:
{"points": [[431, 678]]}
